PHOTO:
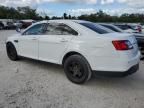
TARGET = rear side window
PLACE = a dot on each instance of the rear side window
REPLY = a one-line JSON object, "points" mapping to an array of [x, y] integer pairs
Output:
{"points": [[95, 28], [59, 29]]}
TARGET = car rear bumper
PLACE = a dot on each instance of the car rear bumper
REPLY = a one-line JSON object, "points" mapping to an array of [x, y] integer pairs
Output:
{"points": [[111, 64], [132, 70]]}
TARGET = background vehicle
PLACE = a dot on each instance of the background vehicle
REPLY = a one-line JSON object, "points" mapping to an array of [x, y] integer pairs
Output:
{"points": [[18, 24], [80, 46], [136, 27], [130, 28], [142, 28], [139, 36], [1, 25], [26, 23], [7, 25], [10, 25]]}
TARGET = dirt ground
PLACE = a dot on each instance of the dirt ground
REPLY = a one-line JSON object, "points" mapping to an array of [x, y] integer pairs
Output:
{"points": [[34, 84]]}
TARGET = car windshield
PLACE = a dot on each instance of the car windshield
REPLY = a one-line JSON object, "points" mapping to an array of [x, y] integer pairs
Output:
{"points": [[97, 28]]}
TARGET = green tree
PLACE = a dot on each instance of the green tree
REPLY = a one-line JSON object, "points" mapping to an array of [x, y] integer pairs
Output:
{"points": [[47, 18], [65, 16]]}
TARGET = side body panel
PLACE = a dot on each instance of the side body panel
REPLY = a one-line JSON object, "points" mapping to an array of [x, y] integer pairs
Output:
{"points": [[51, 47]]}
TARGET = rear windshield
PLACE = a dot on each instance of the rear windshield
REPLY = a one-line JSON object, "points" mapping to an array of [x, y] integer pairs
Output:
{"points": [[97, 28]]}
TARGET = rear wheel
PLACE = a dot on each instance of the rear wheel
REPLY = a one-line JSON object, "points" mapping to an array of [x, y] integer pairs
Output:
{"points": [[77, 69], [11, 52]]}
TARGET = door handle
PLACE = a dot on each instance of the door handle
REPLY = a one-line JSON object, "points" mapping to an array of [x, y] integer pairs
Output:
{"points": [[34, 38], [64, 40], [16, 41]]}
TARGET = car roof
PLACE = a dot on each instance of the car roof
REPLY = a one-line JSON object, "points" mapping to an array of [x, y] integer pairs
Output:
{"points": [[112, 25], [61, 21]]}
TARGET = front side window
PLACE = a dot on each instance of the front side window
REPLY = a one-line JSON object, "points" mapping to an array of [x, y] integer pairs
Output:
{"points": [[59, 29], [35, 30]]}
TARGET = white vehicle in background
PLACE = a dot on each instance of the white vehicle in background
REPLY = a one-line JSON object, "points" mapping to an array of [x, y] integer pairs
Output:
{"points": [[7, 25], [18, 24], [81, 47], [130, 28], [142, 28]]}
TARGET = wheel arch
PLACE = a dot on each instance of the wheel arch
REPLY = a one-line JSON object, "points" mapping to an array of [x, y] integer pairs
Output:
{"points": [[73, 53], [10, 42], [69, 54]]}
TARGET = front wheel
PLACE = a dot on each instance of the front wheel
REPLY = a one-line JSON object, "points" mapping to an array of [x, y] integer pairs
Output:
{"points": [[1, 27], [77, 69], [11, 52]]}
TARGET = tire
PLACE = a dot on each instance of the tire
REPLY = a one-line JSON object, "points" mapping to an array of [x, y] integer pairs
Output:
{"points": [[1, 27], [11, 52], [142, 57], [77, 69]]}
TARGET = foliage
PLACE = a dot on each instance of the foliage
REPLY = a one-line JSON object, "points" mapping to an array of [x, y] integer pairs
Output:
{"points": [[100, 16], [103, 17], [19, 13]]}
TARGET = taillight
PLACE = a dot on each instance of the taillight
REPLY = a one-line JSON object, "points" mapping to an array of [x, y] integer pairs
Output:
{"points": [[139, 29], [122, 45]]}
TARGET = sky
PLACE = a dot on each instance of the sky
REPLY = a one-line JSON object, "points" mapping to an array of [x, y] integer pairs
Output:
{"points": [[79, 7]]}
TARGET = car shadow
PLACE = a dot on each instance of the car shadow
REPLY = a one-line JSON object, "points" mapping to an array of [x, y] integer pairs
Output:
{"points": [[142, 59], [134, 81], [45, 66]]}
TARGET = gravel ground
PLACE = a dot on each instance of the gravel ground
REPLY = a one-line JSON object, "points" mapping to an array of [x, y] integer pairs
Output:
{"points": [[34, 84]]}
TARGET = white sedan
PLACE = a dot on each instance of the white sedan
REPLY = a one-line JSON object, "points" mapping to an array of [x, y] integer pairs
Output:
{"points": [[80, 46]]}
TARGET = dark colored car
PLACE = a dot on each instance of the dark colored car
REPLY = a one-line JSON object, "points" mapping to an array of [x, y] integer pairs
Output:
{"points": [[139, 37], [10, 25], [1, 25], [26, 23]]}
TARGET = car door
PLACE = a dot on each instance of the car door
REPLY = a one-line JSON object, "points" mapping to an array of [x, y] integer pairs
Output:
{"points": [[28, 42], [55, 41]]}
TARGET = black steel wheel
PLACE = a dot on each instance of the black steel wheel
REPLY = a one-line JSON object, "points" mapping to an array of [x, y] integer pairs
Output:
{"points": [[77, 69], [11, 52]]}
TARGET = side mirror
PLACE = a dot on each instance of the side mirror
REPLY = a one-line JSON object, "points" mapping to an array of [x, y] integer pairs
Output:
{"points": [[18, 30]]}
